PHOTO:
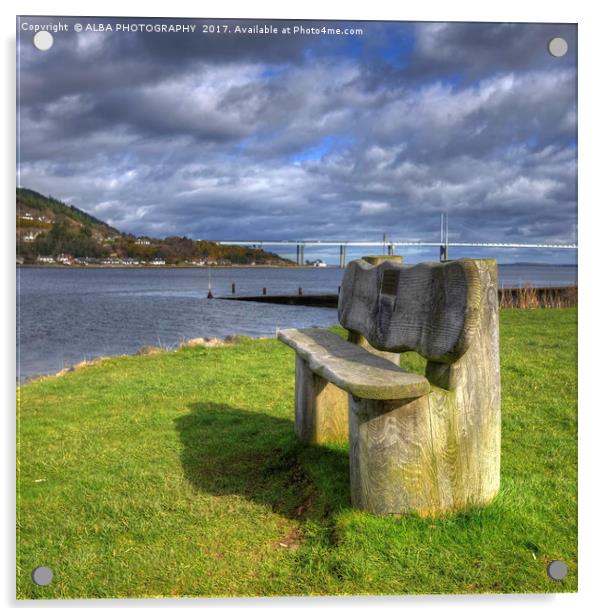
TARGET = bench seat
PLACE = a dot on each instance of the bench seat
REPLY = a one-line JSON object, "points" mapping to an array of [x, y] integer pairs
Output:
{"points": [[351, 368]]}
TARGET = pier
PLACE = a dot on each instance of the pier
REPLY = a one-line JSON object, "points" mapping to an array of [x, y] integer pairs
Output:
{"points": [[515, 297]]}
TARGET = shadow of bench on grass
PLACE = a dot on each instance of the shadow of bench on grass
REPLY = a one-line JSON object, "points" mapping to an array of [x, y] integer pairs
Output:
{"points": [[255, 455]]}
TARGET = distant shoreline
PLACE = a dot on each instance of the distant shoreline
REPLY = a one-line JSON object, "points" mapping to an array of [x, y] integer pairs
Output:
{"points": [[143, 267], [292, 266]]}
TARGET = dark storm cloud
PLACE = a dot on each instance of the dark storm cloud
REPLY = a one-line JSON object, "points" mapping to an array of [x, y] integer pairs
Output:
{"points": [[91, 61], [263, 137], [476, 50]]}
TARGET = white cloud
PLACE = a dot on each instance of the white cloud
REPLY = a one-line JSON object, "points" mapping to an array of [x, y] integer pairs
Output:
{"points": [[373, 207]]}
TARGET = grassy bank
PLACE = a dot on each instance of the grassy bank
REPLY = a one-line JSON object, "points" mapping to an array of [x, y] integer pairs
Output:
{"points": [[178, 474]]}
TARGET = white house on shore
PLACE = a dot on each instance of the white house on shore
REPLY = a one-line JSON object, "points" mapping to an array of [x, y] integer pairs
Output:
{"points": [[31, 236]]}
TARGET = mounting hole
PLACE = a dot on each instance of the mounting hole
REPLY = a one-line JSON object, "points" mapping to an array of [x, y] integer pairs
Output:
{"points": [[43, 40], [42, 576], [557, 570], [558, 47]]}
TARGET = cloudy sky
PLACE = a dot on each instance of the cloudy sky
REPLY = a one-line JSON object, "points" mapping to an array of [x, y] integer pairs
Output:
{"points": [[251, 136]]}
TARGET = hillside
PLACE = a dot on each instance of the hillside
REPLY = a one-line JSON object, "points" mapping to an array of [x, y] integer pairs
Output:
{"points": [[48, 208], [50, 231]]}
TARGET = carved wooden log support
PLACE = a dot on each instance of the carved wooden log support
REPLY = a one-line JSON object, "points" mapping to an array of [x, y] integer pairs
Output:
{"points": [[390, 455], [439, 452], [321, 414], [420, 455]]}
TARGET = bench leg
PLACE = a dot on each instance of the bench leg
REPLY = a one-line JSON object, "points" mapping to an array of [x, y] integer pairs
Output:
{"points": [[321, 413], [391, 458], [415, 456]]}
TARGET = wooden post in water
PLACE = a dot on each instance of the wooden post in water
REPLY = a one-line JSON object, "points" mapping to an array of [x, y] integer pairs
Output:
{"points": [[233, 288], [209, 292], [443, 249]]}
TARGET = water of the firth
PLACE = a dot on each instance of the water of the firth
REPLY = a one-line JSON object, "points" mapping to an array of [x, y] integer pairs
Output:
{"points": [[68, 315]]}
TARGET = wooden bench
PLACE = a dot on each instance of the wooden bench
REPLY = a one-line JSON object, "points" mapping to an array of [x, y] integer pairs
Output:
{"points": [[428, 443]]}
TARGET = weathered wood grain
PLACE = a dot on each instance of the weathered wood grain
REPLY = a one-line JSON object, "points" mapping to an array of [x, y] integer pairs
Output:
{"points": [[427, 444], [430, 308], [473, 422], [360, 340], [439, 452], [391, 458], [351, 367], [357, 338], [321, 414], [378, 259]]}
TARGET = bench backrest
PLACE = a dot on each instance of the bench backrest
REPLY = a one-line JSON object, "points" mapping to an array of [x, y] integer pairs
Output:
{"points": [[432, 308]]}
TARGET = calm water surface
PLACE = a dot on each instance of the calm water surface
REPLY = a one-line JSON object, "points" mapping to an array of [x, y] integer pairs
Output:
{"points": [[68, 315]]}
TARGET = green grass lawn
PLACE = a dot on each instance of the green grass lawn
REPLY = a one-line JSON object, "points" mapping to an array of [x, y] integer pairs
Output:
{"points": [[178, 474]]}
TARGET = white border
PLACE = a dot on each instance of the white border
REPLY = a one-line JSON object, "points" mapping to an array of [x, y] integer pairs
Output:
{"points": [[590, 172]]}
